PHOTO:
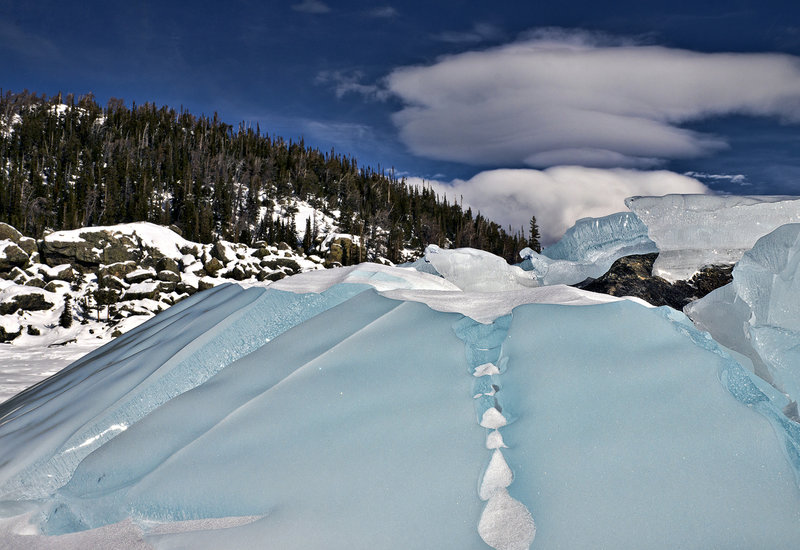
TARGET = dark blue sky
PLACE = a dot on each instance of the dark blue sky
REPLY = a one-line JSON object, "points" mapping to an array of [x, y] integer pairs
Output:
{"points": [[318, 69]]}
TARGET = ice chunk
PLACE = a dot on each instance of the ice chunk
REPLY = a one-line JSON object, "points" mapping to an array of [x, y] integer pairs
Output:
{"points": [[588, 249], [692, 231], [477, 270], [758, 313]]}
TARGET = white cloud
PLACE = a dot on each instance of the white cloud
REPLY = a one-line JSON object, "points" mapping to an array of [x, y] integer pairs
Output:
{"points": [[560, 97], [345, 82], [559, 196], [311, 6]]}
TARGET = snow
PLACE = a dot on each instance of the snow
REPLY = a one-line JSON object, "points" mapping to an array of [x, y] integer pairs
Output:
{"points": [[692, 231]]}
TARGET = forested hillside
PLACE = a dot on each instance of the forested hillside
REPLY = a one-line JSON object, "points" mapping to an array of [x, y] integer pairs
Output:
{"points": [[67, 163]]}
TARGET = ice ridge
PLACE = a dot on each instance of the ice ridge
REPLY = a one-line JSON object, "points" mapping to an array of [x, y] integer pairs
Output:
{"points": [[505, 523]]}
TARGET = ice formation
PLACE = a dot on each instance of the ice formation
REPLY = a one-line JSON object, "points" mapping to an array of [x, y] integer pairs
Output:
{"points": [[379, 407], [758, 314], [588, 249], [692, 231], [477, 270]]}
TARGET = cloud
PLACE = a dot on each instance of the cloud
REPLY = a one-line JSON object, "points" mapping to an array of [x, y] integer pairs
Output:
{"points": [[559, 196], [345, 82], [558, 97], [383, 12], [311, 6]]}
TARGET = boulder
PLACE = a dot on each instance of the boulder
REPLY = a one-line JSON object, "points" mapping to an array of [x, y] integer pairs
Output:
{"points": [[93, 248], [140, 275], [6, 334], [34, 301], [9, 232], [12, 256], [221, 252], [212, 266], [167, 264], [62, 272], [35, 282], [168, 276], [119, 269]]}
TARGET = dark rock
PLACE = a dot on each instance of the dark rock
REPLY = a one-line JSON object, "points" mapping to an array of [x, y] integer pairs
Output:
{"points": [[168, 276], [175, 229], [238, 273], [9, 232], [212, 266], [185, 288], [8, 336], [219, 252], [65, 273], [137, 292], [167, 264], [262, 253], [33, 331], [112, 282], [97, 247], [35, 282], [140, 276], [283, 246], [13, 256], [632, 276], [277, 276], [53, 286], [205, 285], [119, 269], [167, 286], [25, 302]]}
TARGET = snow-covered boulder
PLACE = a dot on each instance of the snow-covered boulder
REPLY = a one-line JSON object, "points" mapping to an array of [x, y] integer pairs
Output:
{"points": [[11, 256]]}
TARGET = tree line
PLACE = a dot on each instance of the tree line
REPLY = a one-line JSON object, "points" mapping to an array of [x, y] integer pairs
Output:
{"points": [[66, 162]]}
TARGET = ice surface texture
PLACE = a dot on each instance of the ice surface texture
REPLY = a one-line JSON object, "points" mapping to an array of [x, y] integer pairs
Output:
{"points": [[758, 313], [692, 231], [588, 249], [48, 429]]}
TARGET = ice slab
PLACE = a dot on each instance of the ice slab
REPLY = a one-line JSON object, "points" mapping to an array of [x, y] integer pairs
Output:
{"points": [[758, 313], [588, 249], [477, 270], [49, 428], [355, 428], [692, 231], [626, 446]]}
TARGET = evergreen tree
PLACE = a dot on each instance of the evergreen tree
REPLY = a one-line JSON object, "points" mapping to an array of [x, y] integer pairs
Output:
{"points": [[65, 319], [533, 238]]}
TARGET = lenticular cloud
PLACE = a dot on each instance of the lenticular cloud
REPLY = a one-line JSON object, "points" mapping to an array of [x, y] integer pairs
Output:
{"points": [[567, 98]]}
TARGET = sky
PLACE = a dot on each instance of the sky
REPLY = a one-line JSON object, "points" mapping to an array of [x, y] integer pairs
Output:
{"points": [[513, 108]]}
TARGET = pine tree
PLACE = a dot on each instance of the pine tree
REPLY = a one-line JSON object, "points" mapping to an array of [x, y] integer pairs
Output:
{"points": [[533, 239], [65, 319]]}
